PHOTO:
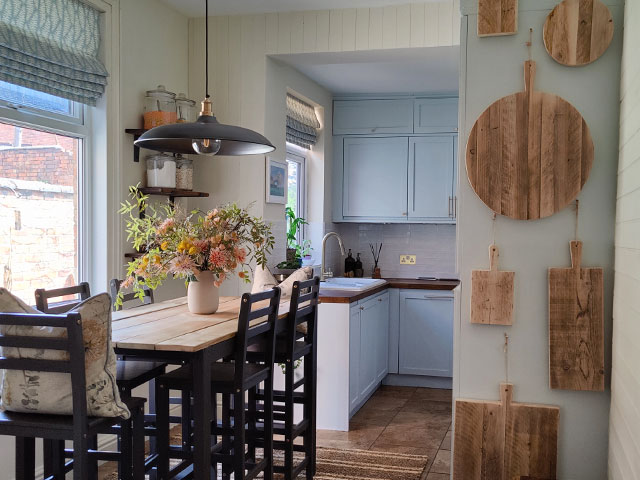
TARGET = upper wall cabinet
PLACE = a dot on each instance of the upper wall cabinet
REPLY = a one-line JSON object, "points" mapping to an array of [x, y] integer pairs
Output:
{"points": [[435, 115], [375, 177], [358, 117]]}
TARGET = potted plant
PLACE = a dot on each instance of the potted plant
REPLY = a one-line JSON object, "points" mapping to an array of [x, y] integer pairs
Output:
{"points": [[295, 251], [203, 248]]}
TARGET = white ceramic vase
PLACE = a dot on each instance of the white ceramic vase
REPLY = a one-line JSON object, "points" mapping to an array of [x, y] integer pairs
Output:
{"points": [[203, 296]]}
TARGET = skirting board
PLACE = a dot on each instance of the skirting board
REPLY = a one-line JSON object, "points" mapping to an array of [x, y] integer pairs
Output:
{"points": [[397, 380]]}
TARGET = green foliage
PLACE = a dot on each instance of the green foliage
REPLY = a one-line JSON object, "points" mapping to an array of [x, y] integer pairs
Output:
{"points": [[294, 224]]}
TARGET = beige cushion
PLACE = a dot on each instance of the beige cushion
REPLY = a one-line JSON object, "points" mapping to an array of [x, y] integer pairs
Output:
{"points": [[50, 392], [263, 280]]}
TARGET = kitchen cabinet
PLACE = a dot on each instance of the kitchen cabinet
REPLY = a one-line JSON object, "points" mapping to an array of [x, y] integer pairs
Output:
{"points": [[435, 115], [368, 347], [372, 116], [425, 333], [375, 177], [431, 174]]}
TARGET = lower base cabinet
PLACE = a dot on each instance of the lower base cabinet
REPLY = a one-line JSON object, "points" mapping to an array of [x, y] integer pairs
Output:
{"points": [[425, 333], [368, 347]]}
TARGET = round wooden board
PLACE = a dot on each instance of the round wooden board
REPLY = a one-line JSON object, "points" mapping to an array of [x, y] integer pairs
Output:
{"points": [[529, 154], [577, 32]]}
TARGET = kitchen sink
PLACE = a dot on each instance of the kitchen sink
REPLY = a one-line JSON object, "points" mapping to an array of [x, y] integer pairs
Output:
{"points": [[351, 284]]}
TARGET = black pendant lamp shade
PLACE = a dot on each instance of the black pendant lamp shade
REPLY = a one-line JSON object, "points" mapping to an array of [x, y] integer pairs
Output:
{"points": [[205, 136], [179, 137]]}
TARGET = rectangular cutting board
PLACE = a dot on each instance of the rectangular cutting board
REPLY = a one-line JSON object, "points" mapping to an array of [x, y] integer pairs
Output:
{"points": [[502, 440], [492, 293], [576, 326], [497, 17]]}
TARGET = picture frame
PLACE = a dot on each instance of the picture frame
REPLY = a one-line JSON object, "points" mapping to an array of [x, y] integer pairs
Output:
{"points": [[276, 181]]}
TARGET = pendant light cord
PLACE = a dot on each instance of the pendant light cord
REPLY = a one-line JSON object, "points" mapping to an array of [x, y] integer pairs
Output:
{"points": [[206, 48]]}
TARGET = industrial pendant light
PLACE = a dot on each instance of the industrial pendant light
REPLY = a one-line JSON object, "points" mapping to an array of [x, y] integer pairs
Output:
{"points": [[205, 136]]}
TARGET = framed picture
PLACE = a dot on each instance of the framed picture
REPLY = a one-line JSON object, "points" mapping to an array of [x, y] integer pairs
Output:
{"points": [[276, 181]]}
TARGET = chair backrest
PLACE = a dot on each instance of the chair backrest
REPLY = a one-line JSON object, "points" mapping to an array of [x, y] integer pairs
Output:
{"points": [[43, 296], [303, 308], [267, 304], [72, 344], [114, 287]]}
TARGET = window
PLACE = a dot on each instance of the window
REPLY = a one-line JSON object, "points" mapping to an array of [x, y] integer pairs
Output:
{"points": [[296, 184], [41, 191]]}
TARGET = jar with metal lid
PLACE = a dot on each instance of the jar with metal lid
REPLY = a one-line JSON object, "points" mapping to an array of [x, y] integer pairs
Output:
{"points": [[184, 172], [161, 171], [159, 107], [185, 109]]}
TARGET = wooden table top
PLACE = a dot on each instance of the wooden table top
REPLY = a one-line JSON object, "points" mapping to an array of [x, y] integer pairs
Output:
{"points": [[170, 326]]}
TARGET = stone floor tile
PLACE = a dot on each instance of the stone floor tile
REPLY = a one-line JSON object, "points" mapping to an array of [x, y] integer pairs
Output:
{"points": [[442, 462]]}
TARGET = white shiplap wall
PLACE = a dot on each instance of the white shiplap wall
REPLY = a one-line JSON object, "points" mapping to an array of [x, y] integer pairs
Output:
{"points": [[624, 431]]}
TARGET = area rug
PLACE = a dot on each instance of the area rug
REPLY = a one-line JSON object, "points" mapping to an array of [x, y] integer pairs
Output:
{"points": [[336, 464]]}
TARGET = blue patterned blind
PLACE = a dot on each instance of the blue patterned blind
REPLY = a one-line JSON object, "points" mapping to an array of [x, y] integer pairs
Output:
{"points": [[302, 123], [52, 46]]}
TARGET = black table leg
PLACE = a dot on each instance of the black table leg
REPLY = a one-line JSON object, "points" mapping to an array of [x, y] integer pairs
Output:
{"points": [[202, 414]]}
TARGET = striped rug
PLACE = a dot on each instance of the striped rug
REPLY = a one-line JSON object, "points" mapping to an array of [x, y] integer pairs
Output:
{"points": [[336, 464]]}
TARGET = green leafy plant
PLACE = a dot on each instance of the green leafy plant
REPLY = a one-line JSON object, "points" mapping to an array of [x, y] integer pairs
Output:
{"points": [[223, 241], [294, 223]]}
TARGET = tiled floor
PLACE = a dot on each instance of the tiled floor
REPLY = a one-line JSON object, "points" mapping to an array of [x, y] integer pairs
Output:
{"points": [[404, 420]]}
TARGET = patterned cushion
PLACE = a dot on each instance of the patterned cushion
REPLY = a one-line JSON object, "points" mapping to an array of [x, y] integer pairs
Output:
{"points": [[263, 280], [50, 392]]}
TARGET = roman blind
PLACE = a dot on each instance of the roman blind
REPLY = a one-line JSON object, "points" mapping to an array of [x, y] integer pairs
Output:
{"points": [[302, 123], [52, 46]]}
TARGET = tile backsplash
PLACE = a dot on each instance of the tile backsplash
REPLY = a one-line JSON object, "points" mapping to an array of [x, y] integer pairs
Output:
{"points": [[433, 245]]}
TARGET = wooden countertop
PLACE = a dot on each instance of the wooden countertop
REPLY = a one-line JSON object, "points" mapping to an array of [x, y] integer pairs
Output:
{"points": [[341, 296]]}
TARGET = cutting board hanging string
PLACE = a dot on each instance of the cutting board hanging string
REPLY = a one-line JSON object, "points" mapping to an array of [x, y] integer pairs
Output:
{"points": [[506, 357], [530, 43], [577, 212]]}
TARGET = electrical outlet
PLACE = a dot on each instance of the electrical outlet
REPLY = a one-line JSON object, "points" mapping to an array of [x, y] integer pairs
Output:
{"points": [[407, 259]]}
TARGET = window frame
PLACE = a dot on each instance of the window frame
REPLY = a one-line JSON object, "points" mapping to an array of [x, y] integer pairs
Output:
{"points": [[300, 158], [79, 127]]}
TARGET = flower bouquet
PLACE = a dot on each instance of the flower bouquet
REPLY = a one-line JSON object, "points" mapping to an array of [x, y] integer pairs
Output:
{"points": [[199, 247]]}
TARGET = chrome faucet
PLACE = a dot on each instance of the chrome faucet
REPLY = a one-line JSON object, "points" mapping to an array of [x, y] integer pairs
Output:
{"points": [[324, 274]]}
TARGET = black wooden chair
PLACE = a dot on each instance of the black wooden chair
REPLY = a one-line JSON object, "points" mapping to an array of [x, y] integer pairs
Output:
{"points": [[292, 347], [114, 287], [231, 379], [55, 429], [130, 374]]}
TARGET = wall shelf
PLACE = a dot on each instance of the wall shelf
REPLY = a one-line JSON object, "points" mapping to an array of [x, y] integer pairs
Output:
{"points": [[136, 132], [172, 193]]}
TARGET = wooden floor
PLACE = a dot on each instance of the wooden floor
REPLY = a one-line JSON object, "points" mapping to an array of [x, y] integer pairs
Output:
{"points": [[404, 420]]}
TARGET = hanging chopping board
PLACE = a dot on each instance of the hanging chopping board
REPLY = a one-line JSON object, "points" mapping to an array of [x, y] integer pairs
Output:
{"points": [[502, 440], [576, 325], [578, 32], [497, 17], [492, 293], [529, 154]]}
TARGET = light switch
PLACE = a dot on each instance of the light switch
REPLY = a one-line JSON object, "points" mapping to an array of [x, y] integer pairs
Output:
{"points": [[407, 259]]}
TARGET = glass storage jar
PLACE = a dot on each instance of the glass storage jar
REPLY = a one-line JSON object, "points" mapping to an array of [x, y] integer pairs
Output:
{"points": [[185, 109], [159, 107], [184, 172], [161, 171]]}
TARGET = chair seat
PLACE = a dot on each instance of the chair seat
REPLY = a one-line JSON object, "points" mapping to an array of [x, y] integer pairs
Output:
{"points": [[256, 351], [133, 373], [222, 374], [58, 426]]}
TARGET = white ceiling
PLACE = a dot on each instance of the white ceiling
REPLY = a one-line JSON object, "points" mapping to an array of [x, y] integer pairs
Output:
{"points": [[413, 70], [195, 8]]}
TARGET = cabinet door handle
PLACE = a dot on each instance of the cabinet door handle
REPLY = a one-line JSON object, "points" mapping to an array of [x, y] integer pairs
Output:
{"points": [[455, 206], [379, 299], [450, 205], [361, 307], [428, 297]]}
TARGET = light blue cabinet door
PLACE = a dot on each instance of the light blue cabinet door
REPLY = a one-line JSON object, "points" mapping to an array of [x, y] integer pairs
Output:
{"points": [[354, 357], [382, 336], [375, 177], [394, 328], [435, 115], [431, 167], [369, 325], [426, 334], [372, 116]]}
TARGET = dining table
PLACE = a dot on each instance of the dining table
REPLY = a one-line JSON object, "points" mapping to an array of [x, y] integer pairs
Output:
{"points": [[166, 331]]}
